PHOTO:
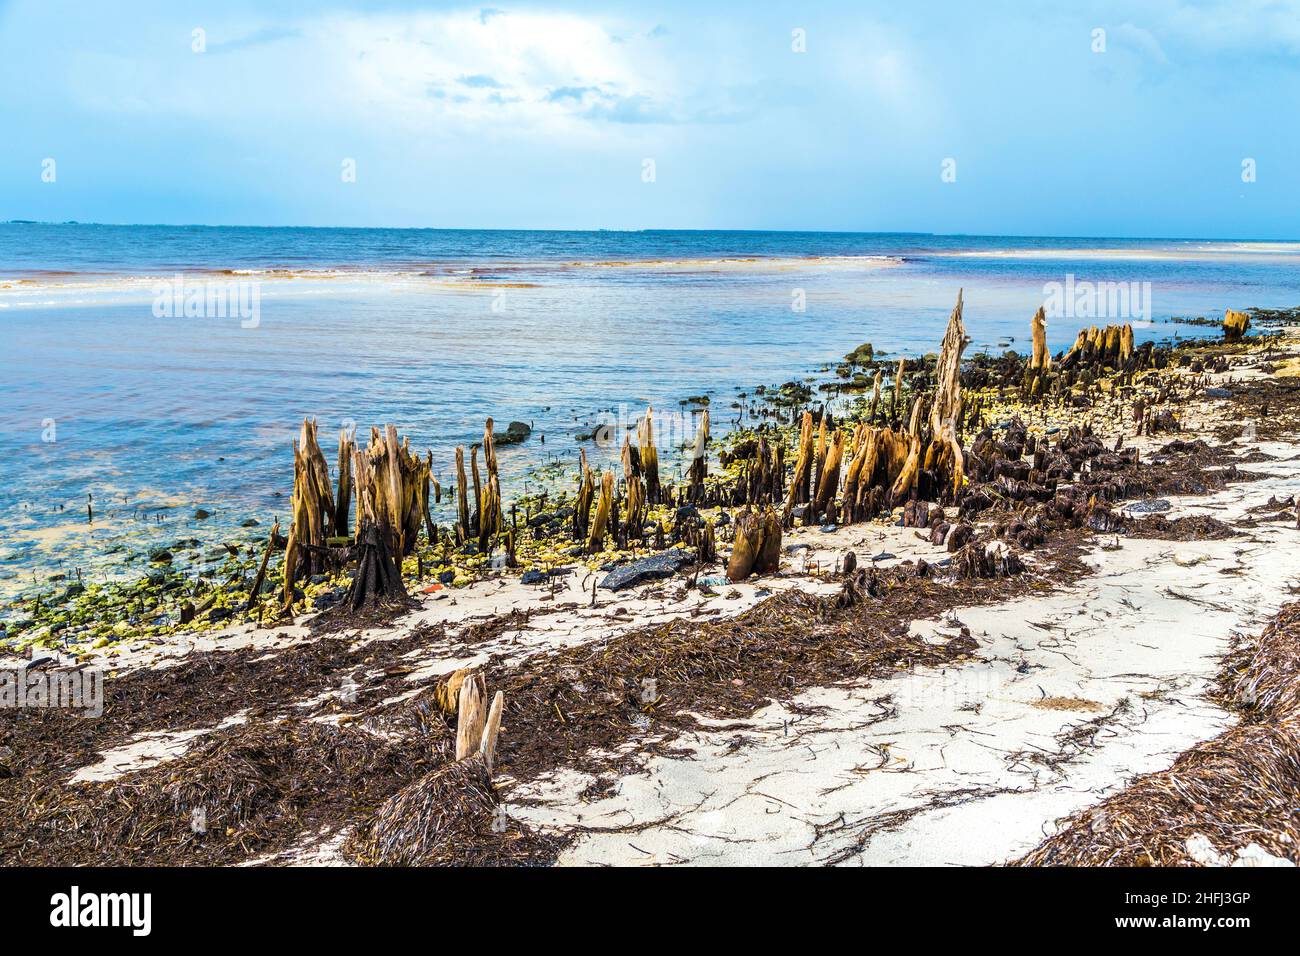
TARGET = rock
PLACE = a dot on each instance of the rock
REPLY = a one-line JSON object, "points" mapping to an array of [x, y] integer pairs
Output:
{"points": [[200, 514], [958, 537], [687, 513], [1215, 392], [160, 556], [515, 433], [447, 577], [534, 577], [250, 523], [1149, 507], [662, 565]]}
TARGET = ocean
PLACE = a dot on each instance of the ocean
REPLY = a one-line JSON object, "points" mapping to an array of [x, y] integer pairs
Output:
{"points": [[113, 387]]}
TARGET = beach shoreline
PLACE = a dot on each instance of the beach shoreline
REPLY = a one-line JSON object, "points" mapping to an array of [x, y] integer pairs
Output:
{"points": [[1053, 677]]}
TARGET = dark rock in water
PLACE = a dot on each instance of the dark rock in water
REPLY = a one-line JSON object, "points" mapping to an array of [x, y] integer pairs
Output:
{"points": [[75, 588], [515, 433], [160, 556], [1216, 392], [1149, 507], [534, 577], [200, 514], [250, 523], [447, 577], [662, 565]]}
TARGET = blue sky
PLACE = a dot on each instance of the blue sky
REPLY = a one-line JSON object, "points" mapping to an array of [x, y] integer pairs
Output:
{"points": [[541, 115]]}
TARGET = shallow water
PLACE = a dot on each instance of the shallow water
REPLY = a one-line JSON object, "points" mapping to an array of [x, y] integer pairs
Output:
{"points": [[435, 330]]}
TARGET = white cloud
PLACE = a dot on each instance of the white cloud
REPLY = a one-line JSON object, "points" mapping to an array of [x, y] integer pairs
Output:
{"points": [[529, 69]]}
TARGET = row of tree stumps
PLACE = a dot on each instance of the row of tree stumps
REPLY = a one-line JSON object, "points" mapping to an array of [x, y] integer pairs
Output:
{"points": [[840, 475]]}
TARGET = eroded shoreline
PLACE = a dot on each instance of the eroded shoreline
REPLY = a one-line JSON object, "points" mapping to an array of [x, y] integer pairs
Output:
{"points": [[597, 766]]}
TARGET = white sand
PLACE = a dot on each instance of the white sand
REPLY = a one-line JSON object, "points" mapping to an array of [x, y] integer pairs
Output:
{"points": [[963, 765]]}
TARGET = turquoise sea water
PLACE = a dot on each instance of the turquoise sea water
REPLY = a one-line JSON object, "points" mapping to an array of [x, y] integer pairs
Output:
{"points": [[156, 414]]}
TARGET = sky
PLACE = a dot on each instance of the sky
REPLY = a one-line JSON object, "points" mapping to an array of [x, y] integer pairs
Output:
{"points": [[1085, 118]]}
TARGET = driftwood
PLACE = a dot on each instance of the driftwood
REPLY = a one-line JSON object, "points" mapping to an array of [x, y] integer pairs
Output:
{"points": [[462, 498], [489, 510], [1111, 346], [649, 454], [944, 454], [636, 491], [582, 505], [798, 492], [699, 458], [1235, 325], [392, 495], [896, 410], [757, 548], [828, 482], [312, 511], [596, 539], [1041, 359], [256, 589]]}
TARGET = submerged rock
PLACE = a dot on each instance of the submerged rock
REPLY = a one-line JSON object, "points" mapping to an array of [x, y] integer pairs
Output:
{"points": [[662, 565]]}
